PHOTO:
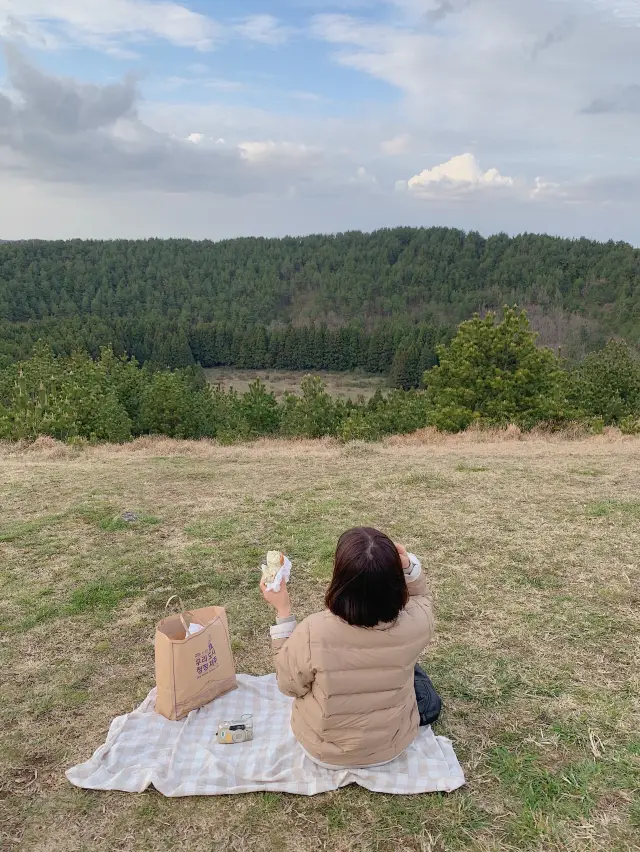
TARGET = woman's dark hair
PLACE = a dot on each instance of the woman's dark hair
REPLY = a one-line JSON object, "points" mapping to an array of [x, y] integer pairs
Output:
{"points": [[368, 585]]}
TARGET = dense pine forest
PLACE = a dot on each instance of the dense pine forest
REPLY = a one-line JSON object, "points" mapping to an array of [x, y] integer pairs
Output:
{"points": [[380, 302]]}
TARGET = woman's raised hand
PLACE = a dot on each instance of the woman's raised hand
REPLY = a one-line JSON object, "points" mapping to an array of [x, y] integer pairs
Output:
{"points": [[278, 600], [404, 557]]}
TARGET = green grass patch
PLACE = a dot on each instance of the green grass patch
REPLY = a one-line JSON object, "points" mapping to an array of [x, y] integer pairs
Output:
{"points": [[489, 680], [523, 774], [118, 523], [410, 816], [428, 480], [104, 594], [628, 510], [545, 580], [212, 529], [106, 517], [24, 531], [41, 614]]}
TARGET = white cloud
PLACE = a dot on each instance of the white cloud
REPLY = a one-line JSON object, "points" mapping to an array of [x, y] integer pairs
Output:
{"points": [[464, 77], [220, 84], [476, 81], [262, 151], [223, 85], [546, 189], [106, 24], [462, 177], [98, 23], [202, 139], [460, 174], [305, 96], [56, 130], [427, 11], [396, 146], [264, 29], [625, 11], [363, 178], [590, 192]]}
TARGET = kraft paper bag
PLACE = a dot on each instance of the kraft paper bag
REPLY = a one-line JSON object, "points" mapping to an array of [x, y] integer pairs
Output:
{"points": [[192, 670]]}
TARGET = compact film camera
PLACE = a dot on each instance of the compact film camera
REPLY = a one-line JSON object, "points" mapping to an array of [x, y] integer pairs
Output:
{"points": [[240, 731]]}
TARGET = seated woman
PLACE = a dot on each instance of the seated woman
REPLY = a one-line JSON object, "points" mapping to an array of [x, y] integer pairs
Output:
{"points": [[351, 667]]}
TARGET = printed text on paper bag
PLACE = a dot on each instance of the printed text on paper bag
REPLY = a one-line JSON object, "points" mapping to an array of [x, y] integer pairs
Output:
{"points": [[206, 661]]}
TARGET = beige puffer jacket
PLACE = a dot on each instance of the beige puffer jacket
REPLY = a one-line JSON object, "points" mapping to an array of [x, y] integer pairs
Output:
{"points": [[355, 703]]}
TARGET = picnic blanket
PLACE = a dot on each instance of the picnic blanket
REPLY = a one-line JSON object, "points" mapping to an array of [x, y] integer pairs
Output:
{"points": [[183, 758]]}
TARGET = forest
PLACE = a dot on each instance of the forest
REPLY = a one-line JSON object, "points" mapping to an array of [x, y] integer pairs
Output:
{"points": [[398, 350], [380, 302], [491, 374]]}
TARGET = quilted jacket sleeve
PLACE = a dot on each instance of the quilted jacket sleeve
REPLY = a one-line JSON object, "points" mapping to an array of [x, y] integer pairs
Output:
{"points": [[416, 581], [419, 597], [293, 662]]}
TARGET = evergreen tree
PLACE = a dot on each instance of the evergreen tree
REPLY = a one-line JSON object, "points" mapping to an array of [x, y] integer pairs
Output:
{"points": [[405, 370], [137, 295], [607, 384], [494, 372], [260, 410]]}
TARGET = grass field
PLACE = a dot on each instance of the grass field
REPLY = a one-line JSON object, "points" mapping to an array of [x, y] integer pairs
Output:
{"points": [[532, 548], [339, 385]]}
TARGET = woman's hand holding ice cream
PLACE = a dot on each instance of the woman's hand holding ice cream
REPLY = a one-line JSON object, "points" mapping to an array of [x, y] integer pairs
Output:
{"points": [[276, 571], [275, 561], [278, 600], [275, 575]]}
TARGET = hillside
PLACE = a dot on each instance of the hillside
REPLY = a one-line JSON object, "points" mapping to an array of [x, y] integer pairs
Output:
{"points": [[529, 547], [578, 291]]}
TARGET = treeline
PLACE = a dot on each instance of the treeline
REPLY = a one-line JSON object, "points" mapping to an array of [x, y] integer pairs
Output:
{"points": [[403, 352], [490, 374], [114, 399], [436, 276]]}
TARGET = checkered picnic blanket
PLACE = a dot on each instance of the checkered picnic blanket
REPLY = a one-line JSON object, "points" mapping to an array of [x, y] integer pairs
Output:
{"points": [[183, 758]]}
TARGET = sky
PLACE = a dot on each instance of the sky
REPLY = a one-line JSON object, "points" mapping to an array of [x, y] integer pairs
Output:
{"points": [[224, 118]]}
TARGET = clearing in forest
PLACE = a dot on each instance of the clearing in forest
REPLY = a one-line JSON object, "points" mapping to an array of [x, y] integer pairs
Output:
{"points": [[338, 385]]}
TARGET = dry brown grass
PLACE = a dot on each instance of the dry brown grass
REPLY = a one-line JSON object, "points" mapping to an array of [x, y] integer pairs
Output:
{"points": [[339, 385], [531, 544]]}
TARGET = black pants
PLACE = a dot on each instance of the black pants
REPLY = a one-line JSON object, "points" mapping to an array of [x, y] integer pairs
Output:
{"points": [[429, 702]]}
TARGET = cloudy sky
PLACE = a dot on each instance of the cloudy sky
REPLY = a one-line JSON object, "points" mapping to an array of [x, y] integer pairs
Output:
{"points": [[218, 118]]}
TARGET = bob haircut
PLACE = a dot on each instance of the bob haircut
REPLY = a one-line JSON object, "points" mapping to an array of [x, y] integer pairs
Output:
{"points": [[368, 585]]}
